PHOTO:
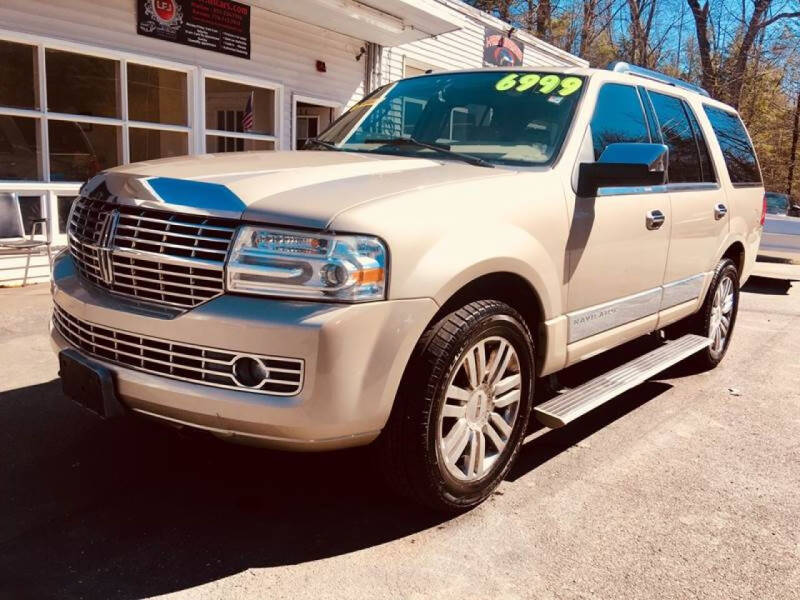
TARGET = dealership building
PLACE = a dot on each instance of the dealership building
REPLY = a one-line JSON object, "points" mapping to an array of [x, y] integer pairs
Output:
{"points": [[87, 85]]}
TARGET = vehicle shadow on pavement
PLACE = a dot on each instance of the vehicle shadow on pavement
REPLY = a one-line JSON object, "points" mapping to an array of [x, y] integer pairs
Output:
{"points": [[772, 286], [126, 509]]}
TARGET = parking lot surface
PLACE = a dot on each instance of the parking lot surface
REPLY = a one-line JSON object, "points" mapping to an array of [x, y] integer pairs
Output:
{"points": [[685, 487]]}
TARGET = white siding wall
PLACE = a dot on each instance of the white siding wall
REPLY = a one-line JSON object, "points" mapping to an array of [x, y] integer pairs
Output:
{"points": [[284, 51], [463, 49]]}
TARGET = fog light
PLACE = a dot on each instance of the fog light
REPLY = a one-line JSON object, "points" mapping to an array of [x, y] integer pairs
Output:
{"points": [[250, 372]]}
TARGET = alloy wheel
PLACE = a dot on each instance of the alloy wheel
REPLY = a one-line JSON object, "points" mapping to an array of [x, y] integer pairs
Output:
{"points": [[480, 409], [721, 314]]}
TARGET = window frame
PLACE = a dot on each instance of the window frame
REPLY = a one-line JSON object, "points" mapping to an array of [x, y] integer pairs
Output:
{"points": [[336, 112], [419, 65], [276, 88], [684, 185]]}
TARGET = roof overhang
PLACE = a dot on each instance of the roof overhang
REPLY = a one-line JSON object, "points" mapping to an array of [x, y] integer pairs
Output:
{"points": [[385, 22]]}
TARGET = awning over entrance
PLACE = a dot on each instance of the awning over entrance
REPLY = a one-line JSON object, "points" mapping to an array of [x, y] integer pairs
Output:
{"points": [[385, 22]]}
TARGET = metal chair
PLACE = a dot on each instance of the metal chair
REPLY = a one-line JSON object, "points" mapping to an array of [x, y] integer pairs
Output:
{"points": [[12, 233]]}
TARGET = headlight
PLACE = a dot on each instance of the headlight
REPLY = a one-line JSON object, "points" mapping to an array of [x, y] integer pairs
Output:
{"points": [[296, 264]]}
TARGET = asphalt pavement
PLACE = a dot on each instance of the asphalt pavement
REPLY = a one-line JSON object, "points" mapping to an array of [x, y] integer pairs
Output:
{"points": [[686, 487]]}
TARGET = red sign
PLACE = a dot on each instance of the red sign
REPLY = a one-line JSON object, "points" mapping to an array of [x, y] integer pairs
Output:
{"points": [[499, 50], [165, 9]]}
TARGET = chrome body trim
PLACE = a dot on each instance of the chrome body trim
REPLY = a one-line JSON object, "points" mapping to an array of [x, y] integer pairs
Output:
{"points": [[632, 190], [693, 187], [658, 189], [609, 315], [682, 290], [597, 319]]}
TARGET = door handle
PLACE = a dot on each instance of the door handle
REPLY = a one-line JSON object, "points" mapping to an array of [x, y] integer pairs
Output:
{"points": [[720, 210], [655, 219]]}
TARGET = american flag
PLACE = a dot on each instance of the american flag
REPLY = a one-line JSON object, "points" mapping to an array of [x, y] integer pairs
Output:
{"points": [[247, 117]]}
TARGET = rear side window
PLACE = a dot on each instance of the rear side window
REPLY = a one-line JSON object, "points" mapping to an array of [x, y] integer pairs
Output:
{"points": [[676, 129], [618, 118], [705, 159], [740, 158]]}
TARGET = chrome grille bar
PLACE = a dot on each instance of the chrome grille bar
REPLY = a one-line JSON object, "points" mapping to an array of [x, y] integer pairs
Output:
{"points": [[154, 255], [187, 362]]}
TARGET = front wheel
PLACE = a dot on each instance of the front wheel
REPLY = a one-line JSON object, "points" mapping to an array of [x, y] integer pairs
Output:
{"points": [[462, 409]]}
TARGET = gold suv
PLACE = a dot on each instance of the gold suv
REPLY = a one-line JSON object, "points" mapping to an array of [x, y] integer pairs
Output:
{"points": [[446, 243]]}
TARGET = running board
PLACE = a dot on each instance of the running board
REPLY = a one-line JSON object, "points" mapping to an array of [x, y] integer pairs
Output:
{"points": [[578, 401]]}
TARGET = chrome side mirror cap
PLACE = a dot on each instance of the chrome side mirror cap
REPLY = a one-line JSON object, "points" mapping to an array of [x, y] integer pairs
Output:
{"points": [[624, 165]]}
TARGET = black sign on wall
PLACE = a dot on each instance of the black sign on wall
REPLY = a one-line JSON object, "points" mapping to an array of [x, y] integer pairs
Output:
{"points": [[217, 25]]}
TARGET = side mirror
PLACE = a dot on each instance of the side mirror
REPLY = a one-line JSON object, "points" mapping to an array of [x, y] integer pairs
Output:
{"points": [[624, 165]]}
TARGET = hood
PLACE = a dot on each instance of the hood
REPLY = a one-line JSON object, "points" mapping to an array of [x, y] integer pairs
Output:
{"points": [[300, 189]]}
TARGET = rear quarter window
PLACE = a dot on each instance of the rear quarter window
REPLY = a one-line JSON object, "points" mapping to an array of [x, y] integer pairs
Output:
{"points": [[740, 158]]}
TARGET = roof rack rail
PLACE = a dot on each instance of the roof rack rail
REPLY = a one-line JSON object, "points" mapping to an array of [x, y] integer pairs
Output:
{"points": [[623, 67]]}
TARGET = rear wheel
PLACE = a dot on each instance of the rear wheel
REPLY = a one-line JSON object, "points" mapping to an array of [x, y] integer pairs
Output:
{"points": [[462, 409], [717, 317]]}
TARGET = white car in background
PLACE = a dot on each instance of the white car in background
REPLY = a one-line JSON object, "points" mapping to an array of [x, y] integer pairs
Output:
{"points": [[781, 237]]}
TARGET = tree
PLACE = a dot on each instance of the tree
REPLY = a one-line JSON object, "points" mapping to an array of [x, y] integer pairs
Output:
{"points": [[725, 77], [793, 150]]}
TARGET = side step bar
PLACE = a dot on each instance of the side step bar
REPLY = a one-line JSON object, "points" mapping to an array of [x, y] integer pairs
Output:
{"points": [[578, 401]]}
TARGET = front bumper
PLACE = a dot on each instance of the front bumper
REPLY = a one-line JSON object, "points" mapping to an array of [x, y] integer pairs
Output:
{"points": [[354, 357]]}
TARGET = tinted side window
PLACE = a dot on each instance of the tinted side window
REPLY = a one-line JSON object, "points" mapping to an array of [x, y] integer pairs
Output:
{"points": [[740, 158], [618, 117], [684, 158], [705, 158]]}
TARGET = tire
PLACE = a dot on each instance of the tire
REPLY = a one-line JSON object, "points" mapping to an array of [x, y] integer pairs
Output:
{"points": [[446, 399], [722, 292]]}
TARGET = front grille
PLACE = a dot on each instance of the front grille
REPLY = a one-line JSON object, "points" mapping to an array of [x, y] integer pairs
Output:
{"points": [[208, 366], [153, 255]]}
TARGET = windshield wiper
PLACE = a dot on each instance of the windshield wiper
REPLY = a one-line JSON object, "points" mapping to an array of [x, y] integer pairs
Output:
{"points": [[410, 141], [322, 143]]}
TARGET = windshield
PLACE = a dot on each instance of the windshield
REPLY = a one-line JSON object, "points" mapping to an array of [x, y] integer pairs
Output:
{"points": [[501, 117]]}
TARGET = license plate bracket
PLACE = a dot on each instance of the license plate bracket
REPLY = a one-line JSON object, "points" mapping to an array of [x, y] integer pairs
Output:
{"points": [[89, 384]]}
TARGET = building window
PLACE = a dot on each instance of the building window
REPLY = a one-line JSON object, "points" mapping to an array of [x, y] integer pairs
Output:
{"points": [[64, 204], [87, 124], [157, 95], [216, 143], [307, 128], [80, 84], [80, 150], [68, 113], [30, 207], [20, 154], [238, 116], [19, 68]]}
